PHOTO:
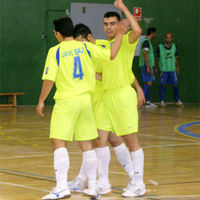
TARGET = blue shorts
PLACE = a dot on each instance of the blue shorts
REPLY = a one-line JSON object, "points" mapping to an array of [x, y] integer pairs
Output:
{"points": [[145, 76], [169, 78]]}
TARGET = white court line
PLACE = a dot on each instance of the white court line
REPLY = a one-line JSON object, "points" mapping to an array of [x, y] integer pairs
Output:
{"points": [[112, 172], [153, 182], [31, 156], [23, 186], [178, 196], [170, 138], [45, 166], [170, 145]]}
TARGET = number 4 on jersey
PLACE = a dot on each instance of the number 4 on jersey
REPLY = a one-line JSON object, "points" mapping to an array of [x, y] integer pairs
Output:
{"points": [[78, 72]]}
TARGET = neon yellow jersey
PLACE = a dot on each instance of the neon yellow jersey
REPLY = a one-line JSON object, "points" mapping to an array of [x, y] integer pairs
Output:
{"points": [[98, 64], [70, 66], [118, 73]]}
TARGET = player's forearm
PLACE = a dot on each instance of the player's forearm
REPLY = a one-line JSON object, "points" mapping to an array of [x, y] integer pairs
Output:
{"points": [[177, 63], [133, 22], [136, 29], [116, 46], [146, 59], [136, 85], [46, 88]]}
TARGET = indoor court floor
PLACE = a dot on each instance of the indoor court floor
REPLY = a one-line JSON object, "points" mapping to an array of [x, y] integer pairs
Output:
{"points": [[172, 160]]}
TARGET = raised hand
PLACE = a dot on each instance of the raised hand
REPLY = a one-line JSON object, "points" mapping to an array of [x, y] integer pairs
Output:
{"points": [[119, 4], [124, 26]]}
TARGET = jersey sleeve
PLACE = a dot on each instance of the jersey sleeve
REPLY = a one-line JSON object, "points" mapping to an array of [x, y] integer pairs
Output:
{"points": [[146, 46], [97, 53], [126, 42], [51, 67]]}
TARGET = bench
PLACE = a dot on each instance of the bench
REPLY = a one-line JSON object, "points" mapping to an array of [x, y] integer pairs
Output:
{"points": [[12, 99]]}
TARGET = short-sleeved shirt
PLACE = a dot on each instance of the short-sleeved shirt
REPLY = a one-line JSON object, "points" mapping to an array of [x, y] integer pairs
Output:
{"points": [[118, 73], [70, 66]]}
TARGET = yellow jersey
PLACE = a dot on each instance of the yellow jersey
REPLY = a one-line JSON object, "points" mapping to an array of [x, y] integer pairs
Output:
{"points": [[98, 64], [118, 73], [69, 65]]}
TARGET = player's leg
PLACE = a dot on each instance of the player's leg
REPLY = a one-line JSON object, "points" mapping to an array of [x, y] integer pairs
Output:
{"points": [[123, 156], [102, 149], [61, 167], [148, 80], [122, 109], [103, 157], [138, 164], [85, 133], [163, 81], [173, 80], [60, 131], [89, 159]]}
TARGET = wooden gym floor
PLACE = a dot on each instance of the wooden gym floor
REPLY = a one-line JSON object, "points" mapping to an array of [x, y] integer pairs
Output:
{"points": [[172, 160]]}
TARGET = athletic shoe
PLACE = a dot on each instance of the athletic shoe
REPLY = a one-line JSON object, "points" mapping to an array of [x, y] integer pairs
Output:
{"points": [[57, 193], [91, 193], [77, 185], [130, 184], [135, 191], [179, 103], [103, 189], [148, 104], [163, 104]]}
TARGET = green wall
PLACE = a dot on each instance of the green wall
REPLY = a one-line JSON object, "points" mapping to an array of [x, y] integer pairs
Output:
{"points": [[23, 51]]}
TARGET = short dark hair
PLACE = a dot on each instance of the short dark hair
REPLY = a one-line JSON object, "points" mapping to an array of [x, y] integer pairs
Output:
{"points": [[151, 30], [64, 26], [112, 14], [83, 30]]}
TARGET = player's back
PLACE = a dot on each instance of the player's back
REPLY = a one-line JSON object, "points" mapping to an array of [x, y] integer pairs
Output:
{"points": [[71, 68]]}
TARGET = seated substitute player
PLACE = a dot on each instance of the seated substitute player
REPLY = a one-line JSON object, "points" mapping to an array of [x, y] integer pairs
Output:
{"points": [[118, 110], [83, 33], [147, 63], [167, 59], [69, 66]]}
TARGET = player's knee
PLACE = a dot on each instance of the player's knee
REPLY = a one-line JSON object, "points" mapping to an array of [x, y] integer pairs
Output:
{"points": [[114, 140], [162, 85], [132, 142], [100, 142], [56, 144], [176, 85], [86, 145]]}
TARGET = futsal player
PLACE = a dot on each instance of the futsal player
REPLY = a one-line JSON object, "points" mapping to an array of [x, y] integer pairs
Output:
{"points": [[69, 66], [118, 110], [167, 59], [147, 64], [83, 33]]}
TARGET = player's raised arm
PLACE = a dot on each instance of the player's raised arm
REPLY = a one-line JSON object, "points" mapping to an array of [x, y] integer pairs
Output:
{"points": [[122, 29], [136, 29], [46, 88]]}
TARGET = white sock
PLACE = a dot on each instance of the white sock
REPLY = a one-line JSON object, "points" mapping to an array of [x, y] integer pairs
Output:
{"points": [[138, 166], [82, 174], [90, 167], [61, 167], [103, 157], [124, 157]]}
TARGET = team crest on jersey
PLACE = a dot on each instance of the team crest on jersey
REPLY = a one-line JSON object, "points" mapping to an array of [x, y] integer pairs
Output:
{"points": [[47, 70], [111, 44]]}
